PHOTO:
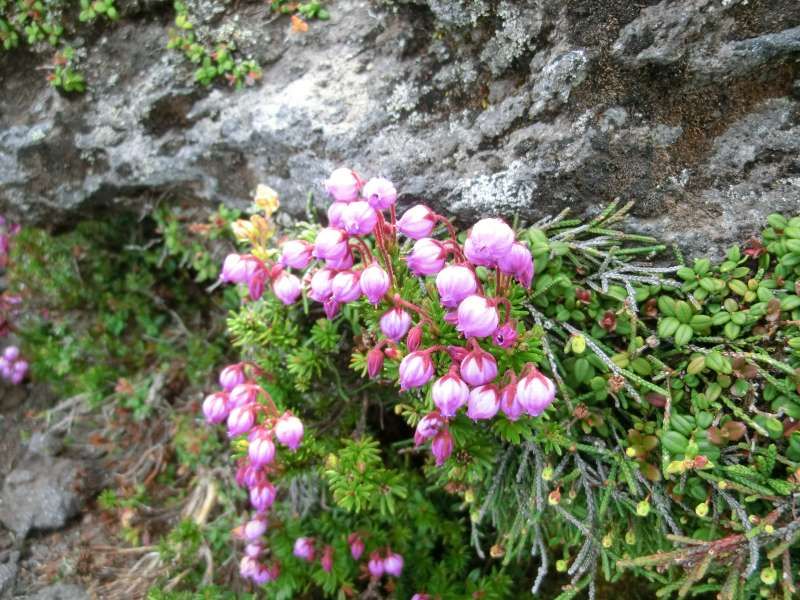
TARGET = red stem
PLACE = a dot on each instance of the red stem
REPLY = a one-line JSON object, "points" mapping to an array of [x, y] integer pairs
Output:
{"points": [[363, 249]]}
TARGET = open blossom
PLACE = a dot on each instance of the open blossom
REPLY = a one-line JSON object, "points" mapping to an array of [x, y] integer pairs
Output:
{"points": [[416, 369], [449, 394], [505, 336], [304, 548], [343, 184], [393, 564], [535, 392], [488, 241], [345, 287], [427, 257], [428, 426], [296, 254], [241, 419], [231, 376], [261, 448], [289, 431], [417, 222], [356, 545], [484, 402], [331, 245], [375, 565], [374, 282], [286, 287], [442, 446], [395, 323], [255, 528], [454, 283], [477, 317], [519, 263], [321, 285], [478, 367], [262, 495], [359, 218], [380, 193], [215, 408]]}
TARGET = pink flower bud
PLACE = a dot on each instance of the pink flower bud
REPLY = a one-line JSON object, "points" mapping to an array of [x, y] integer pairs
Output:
{"points": [[331, 308], [488, 240], [374, 362], [393, 564], [321, 284], [241, 420], [336, 214], [18, 372], [244, 394], [428, 426], [420, 596], [478, 367], [263, 575], [417, 222], [519, 263], [256, 282], [340, 264], [247, 475], [345, 286], [427, 257], [215, 408], [289, 431], [449, 394], [237, 269], [255, 528], [331, 244], [327, 559], [442, 446], [5, 368], [535, 392], [395, 323], [356, 545], [304, 548], [296, 254], [375, 565], [505, 336], [455, 282], [261, 450], [374, 283], [343, 185], [231, 376], [11, 353], [414, 338], [262, 495], [484, 402], [416, 369], [287, 288], [509, 403], [477, 317], [457, 353], [451, 317], [253, 550], [359, 218], [380, 193]]}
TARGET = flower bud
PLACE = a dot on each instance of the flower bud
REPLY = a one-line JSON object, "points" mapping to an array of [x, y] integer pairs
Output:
{"points": [[427, 257], [343, 185], [420, 596], [375, 565], [304, 548], [535, 392], [253, 550], [11, 353], [428, 426], [331, 307], [374, 283], [241, 420], [256, 282], [414, 338], [343, 263], [395, 323], [519, 263], [327, 559], [374, 362], [261, 449], [454, 283], [477, 317], [457, 353], [236, 269], [488, 241], [331, 244], [442, 446], [359, 218], [244, 394], [296, 254], [449, 394], [248, 567], [345, 287], [483, 403], [231, 376], [380, 193], [321, 284], [416, 369], [393, 564], [262, 495], [289, 431], [263, 575], [287, 288], [505, 336], [255, 528], [336, 214], [478, 367], [417, 222], [356, 545], [216, 408], [509, 403]]}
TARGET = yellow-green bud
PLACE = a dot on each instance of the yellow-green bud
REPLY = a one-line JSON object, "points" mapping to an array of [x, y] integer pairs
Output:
{"points": [[547, 473], [643, 508], [701, 509], [769, 575], [630, 537], [607, 540], [561, 565]]}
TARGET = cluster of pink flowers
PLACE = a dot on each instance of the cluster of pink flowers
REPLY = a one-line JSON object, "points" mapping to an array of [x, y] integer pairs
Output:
{"points": [[248, 409], [332, 278], [381, 562], [13, 367]]}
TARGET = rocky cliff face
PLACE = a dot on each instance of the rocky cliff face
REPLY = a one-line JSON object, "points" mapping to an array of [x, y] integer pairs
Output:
{"points": [[689, 107]]}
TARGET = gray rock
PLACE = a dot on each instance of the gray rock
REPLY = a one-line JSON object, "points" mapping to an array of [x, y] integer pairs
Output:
{"points": [[45, 443], [8, 572], [60, 591], [475, 106], [42, 493]]}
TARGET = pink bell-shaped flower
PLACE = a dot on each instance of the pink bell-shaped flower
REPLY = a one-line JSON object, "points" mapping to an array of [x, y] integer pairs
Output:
{"points": [[427, 257], [327, 559], [231, 376], [255, 528], [286, 287], [296, 254], [356, 545], [395, 323], [519, 263], [359, 218], [289, 431], [321, 285], [345, 286], [417, 222], [442, 446], [331, 244], [484, 402], [336, 214], [374, 283], [487, 241], [244, 394], [509, 403], [380, 193], [478, 367], [262, 495], [428, 426], [535, 391], [241, 420], [477, 317], [454, 283], [216, 408], [393, 564], [343, 185], [449, 393], [374, 362], [375, 565], [416, 369], [261, 449], [304, 548]]}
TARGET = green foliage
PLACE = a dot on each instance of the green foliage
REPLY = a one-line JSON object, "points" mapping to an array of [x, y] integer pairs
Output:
{"points": [[64, 76], [308, 10]]}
